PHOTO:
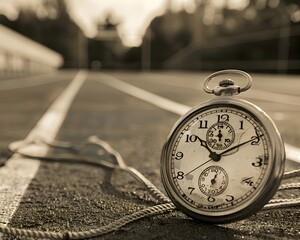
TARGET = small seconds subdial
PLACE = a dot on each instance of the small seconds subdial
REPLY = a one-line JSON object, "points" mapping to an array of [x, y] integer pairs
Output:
{"points": [[213, 181], [220, 135]]}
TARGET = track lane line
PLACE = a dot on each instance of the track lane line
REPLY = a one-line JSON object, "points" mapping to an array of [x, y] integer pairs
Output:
{"points": [[18, 172], [292, 152], [142, 94]]}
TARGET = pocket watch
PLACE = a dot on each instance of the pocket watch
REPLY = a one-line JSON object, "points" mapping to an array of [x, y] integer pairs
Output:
{"points": [[224, 159]]}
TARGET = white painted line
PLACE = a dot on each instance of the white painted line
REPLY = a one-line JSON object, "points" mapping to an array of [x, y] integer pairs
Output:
{"points": [[154, 99], [17, 174], [293, 153], [24, 83]]}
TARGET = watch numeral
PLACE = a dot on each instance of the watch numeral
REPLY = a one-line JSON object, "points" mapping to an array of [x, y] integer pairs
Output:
{"points": [[256, 139], [241, 124], [179, 155], [203, 124], [191, 138], [191, 189], [223, 118], [258, 163], [248, 180], [180, 175], [229, 198], [211, 199]]}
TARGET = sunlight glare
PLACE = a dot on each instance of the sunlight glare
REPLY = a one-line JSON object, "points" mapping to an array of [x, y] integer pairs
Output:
{"points": [[132, 16]]}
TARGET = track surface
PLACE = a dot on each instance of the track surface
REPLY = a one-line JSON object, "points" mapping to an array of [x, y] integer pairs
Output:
{"points": [[71, 197]]}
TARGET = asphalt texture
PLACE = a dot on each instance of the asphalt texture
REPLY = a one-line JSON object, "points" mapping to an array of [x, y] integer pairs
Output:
{"points": [[66, 196]]}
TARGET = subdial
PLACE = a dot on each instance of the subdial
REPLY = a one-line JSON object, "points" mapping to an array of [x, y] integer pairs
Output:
{"points": [[220, 135], [213, 181]]}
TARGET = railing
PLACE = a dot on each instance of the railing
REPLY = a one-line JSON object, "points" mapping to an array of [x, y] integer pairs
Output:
{"points": [[20, 55]]}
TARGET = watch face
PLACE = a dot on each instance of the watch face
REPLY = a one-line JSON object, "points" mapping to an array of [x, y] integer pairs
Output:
{"points": [[217, 162]]}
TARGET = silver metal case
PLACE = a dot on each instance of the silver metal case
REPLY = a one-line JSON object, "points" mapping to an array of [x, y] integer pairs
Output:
{"points": [[255, 202]]}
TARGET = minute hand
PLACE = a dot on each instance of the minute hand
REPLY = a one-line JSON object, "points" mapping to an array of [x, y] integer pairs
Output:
{"points": [[239, 145]]}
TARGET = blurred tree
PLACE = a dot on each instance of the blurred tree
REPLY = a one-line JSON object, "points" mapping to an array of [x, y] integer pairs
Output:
{"points": [[169, 33], [106, 50], [260, 35], [256, 36], [169, 38], [133, 58]]}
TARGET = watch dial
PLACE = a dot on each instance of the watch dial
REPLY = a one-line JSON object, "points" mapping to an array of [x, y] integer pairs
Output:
{"points": [[218, 160]]}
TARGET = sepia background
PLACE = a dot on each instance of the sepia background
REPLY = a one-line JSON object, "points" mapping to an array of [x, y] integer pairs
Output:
{"points": [[126, 71], [258, 35]]}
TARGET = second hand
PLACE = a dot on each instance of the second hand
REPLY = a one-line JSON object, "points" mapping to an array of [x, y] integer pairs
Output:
{"points": [[198, 167]]}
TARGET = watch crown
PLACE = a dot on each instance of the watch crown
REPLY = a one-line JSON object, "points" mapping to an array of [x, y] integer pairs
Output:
{"points": [[226, 83], [226, 88]]}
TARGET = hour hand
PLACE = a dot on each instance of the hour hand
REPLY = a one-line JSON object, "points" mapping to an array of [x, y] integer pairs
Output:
{"points": [[204, 144], [213, 155]]}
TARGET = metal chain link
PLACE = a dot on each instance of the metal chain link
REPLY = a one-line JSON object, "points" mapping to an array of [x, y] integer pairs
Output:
{"points": [[291, 174], [282, 203], [289, 186], [154, 191], [147, 212], [150, 211]]}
